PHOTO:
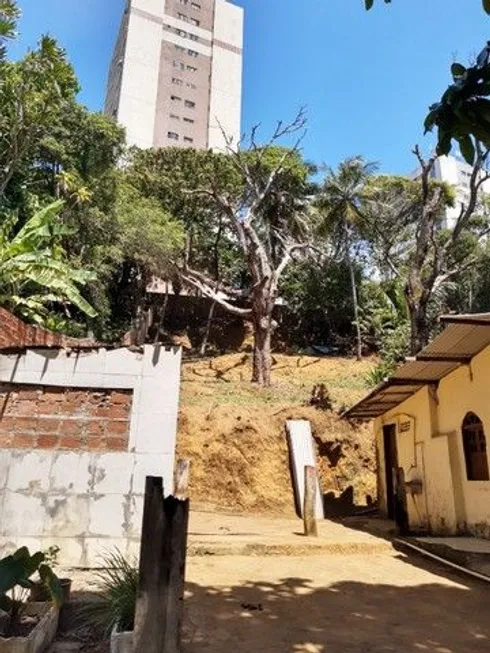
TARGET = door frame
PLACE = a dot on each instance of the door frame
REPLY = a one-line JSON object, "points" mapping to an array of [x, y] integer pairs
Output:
{"points": [[390, 450]]}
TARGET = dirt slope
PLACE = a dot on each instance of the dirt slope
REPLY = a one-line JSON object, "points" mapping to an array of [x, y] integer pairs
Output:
{"points": [[233, 432]]}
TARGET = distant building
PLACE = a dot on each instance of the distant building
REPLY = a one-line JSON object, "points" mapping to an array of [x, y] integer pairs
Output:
{"points": [[456, 172], [176, 73]]}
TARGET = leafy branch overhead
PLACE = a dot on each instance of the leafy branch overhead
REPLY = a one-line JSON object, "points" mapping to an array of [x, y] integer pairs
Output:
{"points": [[463, 113], [370, 3]]}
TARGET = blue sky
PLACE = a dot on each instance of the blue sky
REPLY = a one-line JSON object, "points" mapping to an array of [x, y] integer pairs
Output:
{"points": [[365, 78]]}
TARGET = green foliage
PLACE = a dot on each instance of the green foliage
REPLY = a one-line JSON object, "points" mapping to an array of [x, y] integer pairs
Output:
{"points": [[9, 14], [384, 326], [34, 272], [319, 303], [33, 94], [370, 3], [463, 113], [16, 571], [149, 235], [116, 603]]}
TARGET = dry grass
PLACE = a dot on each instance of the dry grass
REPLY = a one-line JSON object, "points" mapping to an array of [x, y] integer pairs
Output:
{"points": [[233, 432]]}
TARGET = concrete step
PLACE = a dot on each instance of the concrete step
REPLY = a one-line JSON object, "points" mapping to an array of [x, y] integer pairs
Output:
{"points": [[65, 647], [470, 552]]}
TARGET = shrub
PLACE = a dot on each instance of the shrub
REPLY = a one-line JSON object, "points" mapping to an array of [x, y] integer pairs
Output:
{"points": [[116, 605]]}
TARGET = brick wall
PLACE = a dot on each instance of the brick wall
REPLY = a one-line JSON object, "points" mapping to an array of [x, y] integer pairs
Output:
{"points": [[15, 333], [37, 417]]}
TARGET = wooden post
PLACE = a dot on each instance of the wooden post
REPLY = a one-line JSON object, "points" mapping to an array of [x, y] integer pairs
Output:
{"points": [[309, 508], [150, 609], [181, 479], [160, 601], [175, 549]]}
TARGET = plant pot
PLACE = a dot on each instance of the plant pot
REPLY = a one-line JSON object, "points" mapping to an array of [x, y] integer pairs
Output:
{"points": [[121, 642], [40, 636], [39, 593]]}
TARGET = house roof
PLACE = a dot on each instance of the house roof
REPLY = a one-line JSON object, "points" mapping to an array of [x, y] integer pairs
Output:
{"points": [[464, 337]]}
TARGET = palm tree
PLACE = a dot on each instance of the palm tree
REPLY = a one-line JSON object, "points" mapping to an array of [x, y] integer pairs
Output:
{"points": [[339, 202], [34, 271], [9, 13]]}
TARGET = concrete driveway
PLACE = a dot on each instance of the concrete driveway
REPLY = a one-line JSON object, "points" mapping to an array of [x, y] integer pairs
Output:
{"points": [[383, 602]]}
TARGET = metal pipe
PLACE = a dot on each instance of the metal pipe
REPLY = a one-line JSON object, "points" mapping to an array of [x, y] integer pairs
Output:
{"points": [[475, 574]]}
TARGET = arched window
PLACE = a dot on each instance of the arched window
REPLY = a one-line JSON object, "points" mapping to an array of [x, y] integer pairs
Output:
{"points": [[475, 448]]}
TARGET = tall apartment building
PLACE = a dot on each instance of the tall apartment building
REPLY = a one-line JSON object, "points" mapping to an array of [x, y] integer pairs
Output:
{"points": [[457, 173], [176, 73]]}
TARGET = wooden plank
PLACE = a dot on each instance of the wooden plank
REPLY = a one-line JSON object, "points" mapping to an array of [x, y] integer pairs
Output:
{"points": [[311, 482], [181, 479], [175, 548], [302, 453], [441, 358], [150, 606]]}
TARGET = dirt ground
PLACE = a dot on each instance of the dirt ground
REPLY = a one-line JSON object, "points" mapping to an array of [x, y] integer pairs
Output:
{"points": [[234, 433], [332, 604], [347, 591]]}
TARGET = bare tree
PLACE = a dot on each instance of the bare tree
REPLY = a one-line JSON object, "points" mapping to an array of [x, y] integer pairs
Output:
{"points": [[415, 245], [245, 213]]}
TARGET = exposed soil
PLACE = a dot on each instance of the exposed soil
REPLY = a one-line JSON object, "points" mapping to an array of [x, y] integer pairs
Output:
{"points": [[234, 433]]}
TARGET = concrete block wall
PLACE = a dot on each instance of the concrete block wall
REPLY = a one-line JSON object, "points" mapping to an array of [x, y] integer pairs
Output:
{"points": [[79, 434]]}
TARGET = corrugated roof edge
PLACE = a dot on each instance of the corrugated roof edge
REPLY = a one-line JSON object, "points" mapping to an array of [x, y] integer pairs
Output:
{"points": [[362, 409]]}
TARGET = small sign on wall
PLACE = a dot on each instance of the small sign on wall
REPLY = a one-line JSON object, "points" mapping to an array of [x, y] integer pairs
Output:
{"points": [[405, 426]]}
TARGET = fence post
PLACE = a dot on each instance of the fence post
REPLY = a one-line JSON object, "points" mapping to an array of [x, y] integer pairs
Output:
{"points": [[160, 602], [150, 608], [181, 479], [175, 549], [309, 509]]}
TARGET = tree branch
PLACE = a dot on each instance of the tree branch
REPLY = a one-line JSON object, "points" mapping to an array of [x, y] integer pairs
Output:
{"points": [[214, 295]]}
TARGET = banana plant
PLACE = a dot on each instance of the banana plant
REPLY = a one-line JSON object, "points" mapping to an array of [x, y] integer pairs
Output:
{"points": [[34, 270], [16, 572]]}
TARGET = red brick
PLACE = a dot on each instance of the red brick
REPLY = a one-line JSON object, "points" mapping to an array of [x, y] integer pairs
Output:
{"points": [[53, 394], [95, 427], [70, 427], [29, 395], [95, 443], [26, 423], [118, 412], [23, 441], [48, 424], [48, 441], [49, 407], [97, 397], [70, 442], [117, 444], [5, 439], [102, 411], [118, 397], [26, 408], [7, 423], [117, 428]]}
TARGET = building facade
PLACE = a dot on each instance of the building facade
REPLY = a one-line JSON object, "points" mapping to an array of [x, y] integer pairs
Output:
{"points": [[432, 423], [176, 74], [457, 173]]}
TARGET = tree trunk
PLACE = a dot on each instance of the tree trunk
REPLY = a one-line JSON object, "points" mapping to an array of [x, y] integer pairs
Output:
{"points": [[419, 327], [161, 321], [355, 303], [204, 343], [262, 361]]}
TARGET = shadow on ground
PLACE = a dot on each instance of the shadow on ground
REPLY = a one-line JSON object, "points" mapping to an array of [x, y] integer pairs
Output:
{"points": [[294, 615]]}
